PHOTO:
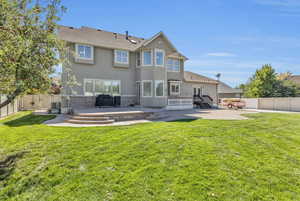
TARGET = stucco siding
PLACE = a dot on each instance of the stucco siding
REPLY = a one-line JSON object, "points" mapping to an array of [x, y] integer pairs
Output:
{"points": [[177, 75], [187, 90], [104, 68]]}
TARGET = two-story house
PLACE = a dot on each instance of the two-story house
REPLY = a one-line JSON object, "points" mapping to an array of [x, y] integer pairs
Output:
{"points": [[146, 72]]}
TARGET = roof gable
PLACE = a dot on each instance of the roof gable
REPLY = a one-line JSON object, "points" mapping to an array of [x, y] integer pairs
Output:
{"points": [[106, 39], [170, 44]]}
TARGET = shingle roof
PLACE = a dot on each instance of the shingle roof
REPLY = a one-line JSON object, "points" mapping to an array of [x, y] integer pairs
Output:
{"points": [[196, 78], [99, 38], [226, 89], [295, 78]]}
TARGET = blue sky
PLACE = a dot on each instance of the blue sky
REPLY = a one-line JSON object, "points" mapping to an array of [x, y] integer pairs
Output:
{"points": [[231, 37]]}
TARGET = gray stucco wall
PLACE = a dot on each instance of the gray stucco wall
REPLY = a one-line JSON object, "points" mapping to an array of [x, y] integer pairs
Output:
{"points": [[187, 89], [103, 68], [158, 73]]}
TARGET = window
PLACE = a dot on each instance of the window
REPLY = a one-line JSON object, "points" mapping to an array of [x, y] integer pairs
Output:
{"points": [[138, 59], [115, 87], [147, 88], [84, 51], [121, 57], [159, 88], [99, 87], [147, 58], [159, 57], [198, 91], [174, 88], [173, 65], [93, 87], [88, 87]]}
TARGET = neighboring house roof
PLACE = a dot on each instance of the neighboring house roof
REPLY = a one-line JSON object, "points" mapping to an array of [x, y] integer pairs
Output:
{"points": [[226, 89], [101, 38], [295, 78], [196, 78]]}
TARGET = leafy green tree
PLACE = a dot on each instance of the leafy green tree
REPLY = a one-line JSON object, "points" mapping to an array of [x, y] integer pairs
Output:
{"points": [[263, 83], [266, 83], [29, 46], [286, 88]]}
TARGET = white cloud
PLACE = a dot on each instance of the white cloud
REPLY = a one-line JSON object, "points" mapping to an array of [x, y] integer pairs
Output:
{"points": [[221, 54]]}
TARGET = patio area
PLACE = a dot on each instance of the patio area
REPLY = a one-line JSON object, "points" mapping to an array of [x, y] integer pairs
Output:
{"points": [[155, 115]]}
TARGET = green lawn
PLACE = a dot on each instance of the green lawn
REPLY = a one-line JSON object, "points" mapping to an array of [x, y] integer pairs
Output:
{"points": [[255, 159]]}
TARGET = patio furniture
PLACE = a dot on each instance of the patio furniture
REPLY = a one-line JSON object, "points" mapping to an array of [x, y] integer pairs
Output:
{"points": [[104, 100]]}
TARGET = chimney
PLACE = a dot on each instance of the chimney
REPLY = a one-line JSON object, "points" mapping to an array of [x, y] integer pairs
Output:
{"points": [[127, 35]]}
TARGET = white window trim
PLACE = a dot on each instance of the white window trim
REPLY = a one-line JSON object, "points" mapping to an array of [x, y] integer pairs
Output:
{"points": [[94, 93], [159, 81], [159, 50], [85, 58], [151, 53], [173, 70], [144, 81], [119, 62], [175, 83]]}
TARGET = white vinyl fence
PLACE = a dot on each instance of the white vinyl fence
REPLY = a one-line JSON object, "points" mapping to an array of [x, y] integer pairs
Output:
{"points": [[283, 104], [9, 109]]}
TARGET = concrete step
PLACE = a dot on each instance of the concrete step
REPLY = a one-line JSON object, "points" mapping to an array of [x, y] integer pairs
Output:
{"points": [[75, 121], [117, 116], [101, 114], [90, 118]]}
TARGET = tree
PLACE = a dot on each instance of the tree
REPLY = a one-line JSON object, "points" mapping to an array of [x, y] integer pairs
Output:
{"points": [[263, 83], [266, 83], [29, 46], [287, 87]]}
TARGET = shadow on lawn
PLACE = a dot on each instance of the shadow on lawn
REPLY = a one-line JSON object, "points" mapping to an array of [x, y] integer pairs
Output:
{"points": [[183, 120], [8, 165], [28, 120]]}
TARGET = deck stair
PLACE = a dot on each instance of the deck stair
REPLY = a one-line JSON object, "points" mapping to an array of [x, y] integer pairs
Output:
{"points": [[110, 117]]}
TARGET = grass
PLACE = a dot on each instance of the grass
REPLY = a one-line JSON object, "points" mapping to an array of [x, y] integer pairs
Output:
{"points": [[255, 159]]}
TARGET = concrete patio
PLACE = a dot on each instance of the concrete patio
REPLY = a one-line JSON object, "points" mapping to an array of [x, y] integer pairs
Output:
{"points": [[162, 115]]}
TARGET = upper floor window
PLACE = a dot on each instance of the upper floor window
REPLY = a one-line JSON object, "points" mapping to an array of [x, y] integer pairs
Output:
{"points": [[159, 57], [147, 58], [84, 51], [173, 65], [121, 57], [138, 59]]}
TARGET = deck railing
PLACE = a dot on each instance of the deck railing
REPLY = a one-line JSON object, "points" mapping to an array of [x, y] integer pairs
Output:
{"points": [[180, 101], [178, 104]]}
